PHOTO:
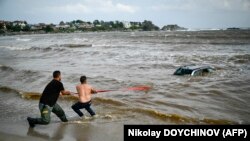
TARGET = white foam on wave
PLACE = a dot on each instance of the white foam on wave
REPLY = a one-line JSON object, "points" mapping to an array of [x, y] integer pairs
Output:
{"points": [[204, 29], [101, 45], [81, 39], [23, 39], [16, 48]]}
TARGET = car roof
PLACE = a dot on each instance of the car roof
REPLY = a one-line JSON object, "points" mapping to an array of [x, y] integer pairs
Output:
{"points": [[196, 67]]}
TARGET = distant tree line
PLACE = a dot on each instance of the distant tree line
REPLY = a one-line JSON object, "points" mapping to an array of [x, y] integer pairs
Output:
{"points": [[77, 25], [83, 26]]}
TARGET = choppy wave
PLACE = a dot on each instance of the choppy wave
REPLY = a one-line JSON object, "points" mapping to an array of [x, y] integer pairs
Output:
{"points": [[101, 45], [240, 59], [76, 45], [6, 68], [174, 118], [23, 39], [11, 75], [36, 96], [48, 49], [81, 39], [120, 106], [44, 49], [16, 48], [8, 89], [117, 60], [179, 119], [113, 102], [200, 37], [10, 69], [205, 42], [56, 47]]}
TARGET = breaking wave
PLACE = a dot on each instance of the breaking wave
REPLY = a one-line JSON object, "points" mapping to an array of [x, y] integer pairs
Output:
{"points": [[23, 39], [6, 68], [8, 89], [240, 59], [179, 119], [44, 49], [119, 106], [76, 45], [118, 60], [16, 48]]}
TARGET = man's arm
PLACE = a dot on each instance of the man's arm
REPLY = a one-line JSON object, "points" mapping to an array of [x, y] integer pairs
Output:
{"points": [[64, 92], [78, 90], [93, 91]]}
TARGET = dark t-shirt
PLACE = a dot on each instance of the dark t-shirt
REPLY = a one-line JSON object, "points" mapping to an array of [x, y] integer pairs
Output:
{"points": [[51, 93]]}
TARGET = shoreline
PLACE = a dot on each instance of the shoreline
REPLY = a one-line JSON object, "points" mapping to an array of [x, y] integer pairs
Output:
{"points": [[11, 137], [110, 31], [38, 33], [56, 130]]}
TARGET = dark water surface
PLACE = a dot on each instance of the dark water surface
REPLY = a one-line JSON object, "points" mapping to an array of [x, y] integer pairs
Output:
{"points": [[117, 60]]}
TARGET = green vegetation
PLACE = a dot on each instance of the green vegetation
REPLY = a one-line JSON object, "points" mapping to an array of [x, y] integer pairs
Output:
{"points": [[149, 26], [77, 25], [81, 26], [48, 28], [172, 27]]}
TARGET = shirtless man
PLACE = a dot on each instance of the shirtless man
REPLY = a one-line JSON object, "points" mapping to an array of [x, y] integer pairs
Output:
{"points": [[84, 93]]}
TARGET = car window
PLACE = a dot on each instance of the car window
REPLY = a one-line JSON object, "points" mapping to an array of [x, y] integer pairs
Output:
{"points": [[200, 72], [178, 71], [188, 71], [196, 73]]}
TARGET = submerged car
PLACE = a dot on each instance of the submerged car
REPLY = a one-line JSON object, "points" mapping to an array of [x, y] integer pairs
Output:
{"points": [[193, 70]]}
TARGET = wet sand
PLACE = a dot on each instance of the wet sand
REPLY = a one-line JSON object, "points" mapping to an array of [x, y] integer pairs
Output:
{"points": [[61, 131]]}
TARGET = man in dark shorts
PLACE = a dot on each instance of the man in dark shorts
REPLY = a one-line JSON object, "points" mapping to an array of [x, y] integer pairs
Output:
{"points": [[48, 103], [85, 92]]}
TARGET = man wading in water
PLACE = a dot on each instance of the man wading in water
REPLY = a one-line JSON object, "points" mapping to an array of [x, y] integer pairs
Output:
{"points": [[48, 103], [85, 92]]}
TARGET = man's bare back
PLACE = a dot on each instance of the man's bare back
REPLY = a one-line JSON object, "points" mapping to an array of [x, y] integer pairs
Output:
{"points": [[84, 92]]}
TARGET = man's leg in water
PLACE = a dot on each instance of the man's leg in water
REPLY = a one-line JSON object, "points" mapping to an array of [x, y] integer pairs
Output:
{"points": [[76, 107], [88, 108], [45, 111], [59, 112]]}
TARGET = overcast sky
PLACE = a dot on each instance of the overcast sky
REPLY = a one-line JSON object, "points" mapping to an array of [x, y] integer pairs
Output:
{"points": [[186, 13]]}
